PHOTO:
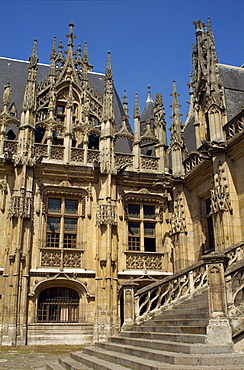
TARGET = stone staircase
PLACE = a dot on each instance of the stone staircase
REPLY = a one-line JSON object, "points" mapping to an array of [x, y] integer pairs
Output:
{"points": [[175, 339]]}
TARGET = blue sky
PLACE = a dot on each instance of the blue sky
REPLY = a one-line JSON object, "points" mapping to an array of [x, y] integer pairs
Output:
{"points": [[150, 40]]}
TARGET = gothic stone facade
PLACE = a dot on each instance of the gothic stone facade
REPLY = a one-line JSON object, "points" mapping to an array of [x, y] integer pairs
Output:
{"points": [[86, 204]]}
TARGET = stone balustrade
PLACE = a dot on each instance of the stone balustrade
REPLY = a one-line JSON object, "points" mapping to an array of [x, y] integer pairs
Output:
{"points": [[235, 126]]}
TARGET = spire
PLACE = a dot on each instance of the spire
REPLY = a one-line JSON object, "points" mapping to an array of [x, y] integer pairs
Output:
{"points": [[52, 69], [108, 109], [176, 126], [136, 107], [29, 102], [71, 36], [85, 55], [149, 98], [125, 104], [33, 58], [108, 73]]}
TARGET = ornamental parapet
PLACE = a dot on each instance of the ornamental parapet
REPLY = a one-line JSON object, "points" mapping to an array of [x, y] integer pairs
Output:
{"points": [[143, 260], [149, 163], [193, 160], [235, 126], [123, 160], [52, 257]]}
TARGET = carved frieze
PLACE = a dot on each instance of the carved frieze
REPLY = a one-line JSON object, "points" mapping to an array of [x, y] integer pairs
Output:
{"points": [[107, 214]]}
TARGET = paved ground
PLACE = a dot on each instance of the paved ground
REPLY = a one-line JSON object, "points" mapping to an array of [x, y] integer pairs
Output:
{"points": [[32, 357]]}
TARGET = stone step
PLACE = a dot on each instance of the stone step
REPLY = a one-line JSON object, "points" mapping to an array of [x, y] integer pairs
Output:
{"points": [[174, 337], [177, 322], [172, 329], [136, 358], [54, 366], [71, 364], [181, 315], [163, 345], [99, 359]]}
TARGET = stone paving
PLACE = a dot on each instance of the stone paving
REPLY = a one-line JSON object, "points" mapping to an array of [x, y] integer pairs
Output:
{"points": [[32, 357]]}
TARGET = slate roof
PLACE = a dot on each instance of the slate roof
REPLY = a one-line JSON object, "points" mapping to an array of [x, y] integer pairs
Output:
{"points": [[233, 80], [16, 72]]}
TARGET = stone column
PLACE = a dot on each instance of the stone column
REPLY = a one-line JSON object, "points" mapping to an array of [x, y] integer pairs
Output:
{"points": [[218, 329], [129, 288]]}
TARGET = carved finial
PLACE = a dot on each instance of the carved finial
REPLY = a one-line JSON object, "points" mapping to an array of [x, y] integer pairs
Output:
{"points": [[125, 104], [85, 55], [79, 50], [71, 35], [7, 93], [136, 107], [159, 100], [176, 126], [33, 58], [149, 98], [54, 47], [60, 53], [109, 74], [199, 25]]}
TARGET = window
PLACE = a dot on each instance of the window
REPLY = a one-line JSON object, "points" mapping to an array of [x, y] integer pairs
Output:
{"points": [[141, 227], [58, 304], [60, 112], [62, 223]]}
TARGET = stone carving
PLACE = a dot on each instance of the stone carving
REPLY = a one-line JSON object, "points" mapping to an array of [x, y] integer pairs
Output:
{"points": [[192, 161], [77, 155], [92, 155], [149, 163], [7, 93], [219, 194], [51, 258], [159, 296], [123, 160], [106, 215], [3, 193], [20, 206], [60, 258], [234, 127], [40, 149], [152, 261], [178, 220], [10, 145], [57, 152]]}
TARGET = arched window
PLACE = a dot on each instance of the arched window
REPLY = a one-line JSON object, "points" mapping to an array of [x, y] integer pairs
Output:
{"points": [[10, 135], [58, 304]]}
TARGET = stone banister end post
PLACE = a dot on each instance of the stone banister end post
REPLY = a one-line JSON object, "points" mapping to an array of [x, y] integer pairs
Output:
{"points": [[218, 329], [129, 289]]}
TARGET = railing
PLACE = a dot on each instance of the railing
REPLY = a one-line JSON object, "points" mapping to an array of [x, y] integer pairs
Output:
{"points": [[57, 152], [168, 291], [92, 155], [125, 160], [149, 163], [77, 155], [194, 159], [10, 145], [235, 126], [40, 149], [146, 302]]}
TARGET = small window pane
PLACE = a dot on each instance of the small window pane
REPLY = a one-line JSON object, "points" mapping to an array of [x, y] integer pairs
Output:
{"points": [[149, 212], [134, 228], [149, 229], [71, 206], [60, 109], [53, 224], [54, 205], [69, 240], [134, 211], [70, 224]]}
